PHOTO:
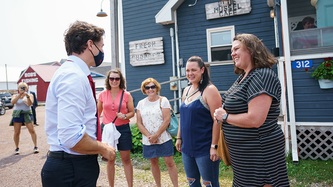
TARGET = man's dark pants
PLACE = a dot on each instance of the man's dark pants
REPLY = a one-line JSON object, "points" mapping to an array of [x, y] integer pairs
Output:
{"points": [[70, 170]]}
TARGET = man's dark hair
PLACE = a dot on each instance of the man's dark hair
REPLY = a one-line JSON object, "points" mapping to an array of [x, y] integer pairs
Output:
{"points": [[78, 34]]}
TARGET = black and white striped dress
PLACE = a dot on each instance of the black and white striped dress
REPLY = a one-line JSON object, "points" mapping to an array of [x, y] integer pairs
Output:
{"points": [[257, 154]]}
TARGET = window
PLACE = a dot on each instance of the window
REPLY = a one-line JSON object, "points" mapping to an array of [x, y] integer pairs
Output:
{"points": [[219, 41]]}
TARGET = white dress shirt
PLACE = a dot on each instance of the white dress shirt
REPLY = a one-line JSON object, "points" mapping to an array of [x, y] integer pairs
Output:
{"points": [[70, 106]]}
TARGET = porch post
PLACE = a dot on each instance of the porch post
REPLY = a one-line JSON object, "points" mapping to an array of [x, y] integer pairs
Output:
{"points": [[290, 91]]}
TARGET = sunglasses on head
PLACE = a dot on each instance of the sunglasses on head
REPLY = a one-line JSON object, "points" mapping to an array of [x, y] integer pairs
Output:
{"points": [[150, 87], [114, 78]]}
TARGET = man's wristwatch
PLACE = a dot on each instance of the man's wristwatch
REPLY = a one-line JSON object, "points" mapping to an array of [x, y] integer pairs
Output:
{"points": [[225, 117], [214, 146], [125, 116]]}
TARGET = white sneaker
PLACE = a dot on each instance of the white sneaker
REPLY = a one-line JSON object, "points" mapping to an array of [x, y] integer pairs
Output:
{"points": [[17, 151], [36, 150]]}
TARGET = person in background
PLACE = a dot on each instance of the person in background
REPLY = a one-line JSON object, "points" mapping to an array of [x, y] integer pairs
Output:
{"points": [[251, 108], [308, 23], [198, 132], [70, 113], [306, 39], [22, 102], [33, 107], [108, 104], [153, 118]]}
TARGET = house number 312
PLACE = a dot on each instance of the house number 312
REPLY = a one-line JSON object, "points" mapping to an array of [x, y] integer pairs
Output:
{"points": [[302, 64]]}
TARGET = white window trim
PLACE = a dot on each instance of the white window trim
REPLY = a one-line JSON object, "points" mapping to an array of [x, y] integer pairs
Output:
{"points": [[208, 34]]}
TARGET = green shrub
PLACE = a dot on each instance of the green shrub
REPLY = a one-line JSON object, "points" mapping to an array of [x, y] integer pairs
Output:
{"points": [[136, 139]]}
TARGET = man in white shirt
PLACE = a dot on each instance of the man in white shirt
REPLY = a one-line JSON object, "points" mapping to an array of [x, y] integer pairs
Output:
{"points": [[70, 117]]}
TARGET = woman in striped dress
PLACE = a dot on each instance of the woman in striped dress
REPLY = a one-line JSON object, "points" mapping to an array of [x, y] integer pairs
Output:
{"points": [[249, 115]]}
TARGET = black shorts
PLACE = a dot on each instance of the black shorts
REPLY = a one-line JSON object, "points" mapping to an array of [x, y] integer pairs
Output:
{"points": [[125, 139]]}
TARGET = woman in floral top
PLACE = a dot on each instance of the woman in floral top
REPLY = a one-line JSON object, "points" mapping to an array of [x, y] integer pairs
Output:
{"points": [[153, 118]]}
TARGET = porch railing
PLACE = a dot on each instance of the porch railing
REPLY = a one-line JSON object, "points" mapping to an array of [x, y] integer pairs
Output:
{"points": [[311, 41], [168, 82]]}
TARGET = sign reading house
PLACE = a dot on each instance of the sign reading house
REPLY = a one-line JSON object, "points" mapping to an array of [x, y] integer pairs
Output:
{"points": [[226, 8], [146, 52]]}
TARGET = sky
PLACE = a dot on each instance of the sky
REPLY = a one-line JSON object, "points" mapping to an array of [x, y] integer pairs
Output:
{"points": [[32, 31]]}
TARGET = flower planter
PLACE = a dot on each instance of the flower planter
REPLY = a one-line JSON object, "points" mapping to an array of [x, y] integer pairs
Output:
{"points": [[325, 83]]}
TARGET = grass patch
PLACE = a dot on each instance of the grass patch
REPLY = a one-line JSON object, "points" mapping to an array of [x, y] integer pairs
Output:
{"points": [[306, 173], [310, 172], [144, 164]]}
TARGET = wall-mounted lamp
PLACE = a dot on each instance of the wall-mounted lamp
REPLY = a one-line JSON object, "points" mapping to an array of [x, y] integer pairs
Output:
{"points": [[271, 13], [270, 3], [114, 31], [193, 3], [101, 13]]}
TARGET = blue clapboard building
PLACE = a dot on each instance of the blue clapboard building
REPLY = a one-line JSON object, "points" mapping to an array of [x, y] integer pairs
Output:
{"points": [[158, 36]]}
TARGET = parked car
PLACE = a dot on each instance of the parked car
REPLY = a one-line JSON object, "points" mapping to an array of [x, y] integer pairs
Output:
{"points": [[2, 108], [6, 98], [98, 90]]}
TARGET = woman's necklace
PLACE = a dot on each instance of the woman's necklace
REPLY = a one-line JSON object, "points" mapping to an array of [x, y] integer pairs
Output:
{"points": [[192, 93], [114, 94], [113, 98], [153, 98]]}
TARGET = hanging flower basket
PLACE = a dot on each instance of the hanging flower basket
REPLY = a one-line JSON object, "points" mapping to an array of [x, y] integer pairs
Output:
{"points": [[324, 74], [325, 83]]}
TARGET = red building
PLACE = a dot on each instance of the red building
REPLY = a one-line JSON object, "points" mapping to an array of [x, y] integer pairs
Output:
{"points": [[38, 78]]}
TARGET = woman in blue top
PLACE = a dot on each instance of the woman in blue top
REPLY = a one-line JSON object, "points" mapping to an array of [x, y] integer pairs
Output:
{"points": [[198, 132]]}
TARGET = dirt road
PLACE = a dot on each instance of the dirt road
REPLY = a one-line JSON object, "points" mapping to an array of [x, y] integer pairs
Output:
{"points": [[24, 169]]}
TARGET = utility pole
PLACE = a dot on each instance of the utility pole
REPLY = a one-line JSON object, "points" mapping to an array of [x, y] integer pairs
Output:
{"points": [[6, 77], [114, 34]]}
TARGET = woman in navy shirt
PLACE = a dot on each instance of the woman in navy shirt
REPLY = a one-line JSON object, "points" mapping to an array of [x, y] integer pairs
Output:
{"points": [[198, 132]]}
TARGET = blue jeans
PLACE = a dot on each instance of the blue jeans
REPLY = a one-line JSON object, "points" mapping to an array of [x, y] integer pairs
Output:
{"points": [[201, 166]]}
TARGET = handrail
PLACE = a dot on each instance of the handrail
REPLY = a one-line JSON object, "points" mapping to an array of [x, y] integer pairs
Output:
{"points": [[166, 82], [162, 83]]}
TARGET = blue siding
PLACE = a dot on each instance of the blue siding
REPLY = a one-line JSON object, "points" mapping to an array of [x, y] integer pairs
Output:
{"points": [[192, 25], [223, 79], [139, 24], [300, 8], [312, 104]]}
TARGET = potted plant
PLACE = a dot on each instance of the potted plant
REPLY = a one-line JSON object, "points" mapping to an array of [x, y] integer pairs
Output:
{"points": [[324, 74]]}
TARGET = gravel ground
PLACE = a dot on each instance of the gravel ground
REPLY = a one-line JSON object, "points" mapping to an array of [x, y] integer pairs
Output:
{"points": [[24, 169]]}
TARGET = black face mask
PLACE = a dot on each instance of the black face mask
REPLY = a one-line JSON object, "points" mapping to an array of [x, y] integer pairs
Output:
{"points": [[99, 57]]}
